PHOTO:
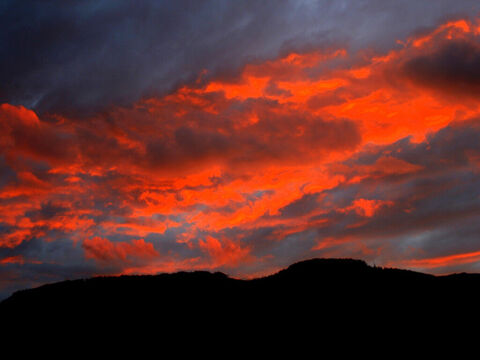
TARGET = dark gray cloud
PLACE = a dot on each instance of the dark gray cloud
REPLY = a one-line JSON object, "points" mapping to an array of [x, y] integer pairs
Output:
{"points": [[44, 262], [302, 206], [7, 175], [15, 277], [269, 140], [454, 67], [80, 56]]}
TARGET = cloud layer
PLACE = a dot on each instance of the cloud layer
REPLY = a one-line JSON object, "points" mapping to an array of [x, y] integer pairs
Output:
{"points": [[84, 56], [319, 143]]}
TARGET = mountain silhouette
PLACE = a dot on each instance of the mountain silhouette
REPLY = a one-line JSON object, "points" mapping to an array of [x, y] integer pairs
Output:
{"points": [[318, 289]]}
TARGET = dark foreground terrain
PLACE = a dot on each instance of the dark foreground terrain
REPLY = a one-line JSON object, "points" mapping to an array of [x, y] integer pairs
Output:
{"points": [[318, 288], [321, 307]]}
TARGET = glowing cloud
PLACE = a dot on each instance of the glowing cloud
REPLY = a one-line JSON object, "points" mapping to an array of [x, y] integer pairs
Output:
{"points": [[319, 153]]}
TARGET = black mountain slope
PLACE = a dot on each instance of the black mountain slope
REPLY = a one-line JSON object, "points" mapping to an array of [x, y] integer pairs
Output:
{"points": [[321, 289]]}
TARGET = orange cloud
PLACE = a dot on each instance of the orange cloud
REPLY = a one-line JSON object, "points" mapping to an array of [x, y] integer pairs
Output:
{"points": [[226, 252], [382, 167], [17, 259], [227, 155], [443, 261], [104, 250], [367, 208]]}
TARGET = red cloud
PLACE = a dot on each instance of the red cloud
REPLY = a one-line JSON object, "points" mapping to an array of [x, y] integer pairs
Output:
{"points": [[222, 157], [17, 259], [104, 250], [367, 208], [226, 252], [442, 261], [382, 167]]}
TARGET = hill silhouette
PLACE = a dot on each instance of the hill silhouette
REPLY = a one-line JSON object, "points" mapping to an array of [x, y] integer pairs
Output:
{"points": [[317, 290]]}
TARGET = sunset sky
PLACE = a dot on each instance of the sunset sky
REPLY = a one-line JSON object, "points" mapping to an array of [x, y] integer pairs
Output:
{"points": [[237, 136]]}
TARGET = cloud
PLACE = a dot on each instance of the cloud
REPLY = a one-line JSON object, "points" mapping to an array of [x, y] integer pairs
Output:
{"points": [[226, 252], [325, 151], [22, 130], [452, 67], [81, 58], [367, 207], [418, 215], [102, 249], [268, 140]]}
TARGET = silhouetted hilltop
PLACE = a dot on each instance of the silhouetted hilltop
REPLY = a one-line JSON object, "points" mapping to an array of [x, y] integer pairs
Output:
{"points": [[330, 287]]}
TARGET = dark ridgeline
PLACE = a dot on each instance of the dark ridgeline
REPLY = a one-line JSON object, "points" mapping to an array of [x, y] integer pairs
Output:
{"points": [[315, 290]]}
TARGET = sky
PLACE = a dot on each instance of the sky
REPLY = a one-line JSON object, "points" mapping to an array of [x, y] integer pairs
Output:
{"points": [[237, 136]]}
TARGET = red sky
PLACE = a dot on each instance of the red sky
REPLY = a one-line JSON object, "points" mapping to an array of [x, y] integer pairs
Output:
{"points": [[327, 152]]}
